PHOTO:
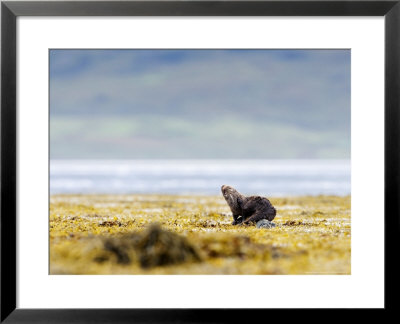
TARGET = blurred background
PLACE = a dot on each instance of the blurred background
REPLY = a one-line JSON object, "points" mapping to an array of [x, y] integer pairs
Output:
{"points": [[272, 122]]}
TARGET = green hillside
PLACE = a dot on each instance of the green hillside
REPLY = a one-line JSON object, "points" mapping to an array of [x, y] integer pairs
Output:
{"points": [[152, 136]]}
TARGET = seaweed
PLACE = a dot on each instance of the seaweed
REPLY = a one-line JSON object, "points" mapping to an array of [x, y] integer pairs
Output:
{"points": [[165, 234]]}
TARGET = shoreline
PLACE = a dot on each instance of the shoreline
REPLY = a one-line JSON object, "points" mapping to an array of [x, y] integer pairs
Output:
{"points": [[313, 234]]}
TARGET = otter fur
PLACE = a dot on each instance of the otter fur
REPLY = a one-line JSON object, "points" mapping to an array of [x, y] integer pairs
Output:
{"points": [[247, 210]]}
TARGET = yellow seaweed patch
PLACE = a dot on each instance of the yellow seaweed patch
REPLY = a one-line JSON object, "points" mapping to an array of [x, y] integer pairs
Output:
{"points": [[312, 236]]}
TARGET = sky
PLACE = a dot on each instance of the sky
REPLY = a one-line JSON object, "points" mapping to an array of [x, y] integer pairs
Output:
{"points": [[118, 104]]}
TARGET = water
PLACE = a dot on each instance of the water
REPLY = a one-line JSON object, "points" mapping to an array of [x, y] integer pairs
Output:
{"points": [[266, 177]]}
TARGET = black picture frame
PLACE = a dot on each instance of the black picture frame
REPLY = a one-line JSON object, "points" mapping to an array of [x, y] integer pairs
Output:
{"points": [[10, 10]]}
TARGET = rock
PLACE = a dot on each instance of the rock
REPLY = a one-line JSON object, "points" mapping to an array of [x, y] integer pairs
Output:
{"points": [[265, 224]]}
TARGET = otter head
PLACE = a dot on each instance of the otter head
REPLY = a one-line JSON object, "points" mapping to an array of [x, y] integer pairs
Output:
{"points": [[231, 196]]}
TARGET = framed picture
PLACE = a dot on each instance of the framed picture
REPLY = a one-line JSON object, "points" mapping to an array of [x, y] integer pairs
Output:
{"points": [[193, 152]]}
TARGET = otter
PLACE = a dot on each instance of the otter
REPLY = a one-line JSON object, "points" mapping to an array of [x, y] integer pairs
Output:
{"points": [[247, 210]]}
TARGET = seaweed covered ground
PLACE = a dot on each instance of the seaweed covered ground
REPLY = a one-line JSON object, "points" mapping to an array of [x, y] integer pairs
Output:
{"points": [[162, 234]]}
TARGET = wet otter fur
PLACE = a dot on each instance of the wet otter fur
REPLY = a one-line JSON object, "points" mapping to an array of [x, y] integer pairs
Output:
{"points": [[247, 210]]}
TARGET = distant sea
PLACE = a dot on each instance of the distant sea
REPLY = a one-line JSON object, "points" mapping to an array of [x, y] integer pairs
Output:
{"points": [[203, 177]]}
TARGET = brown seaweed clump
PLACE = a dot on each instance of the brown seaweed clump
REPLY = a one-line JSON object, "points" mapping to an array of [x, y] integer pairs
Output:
{"points": [[159, 247], [120, 247], [155, 247]]}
